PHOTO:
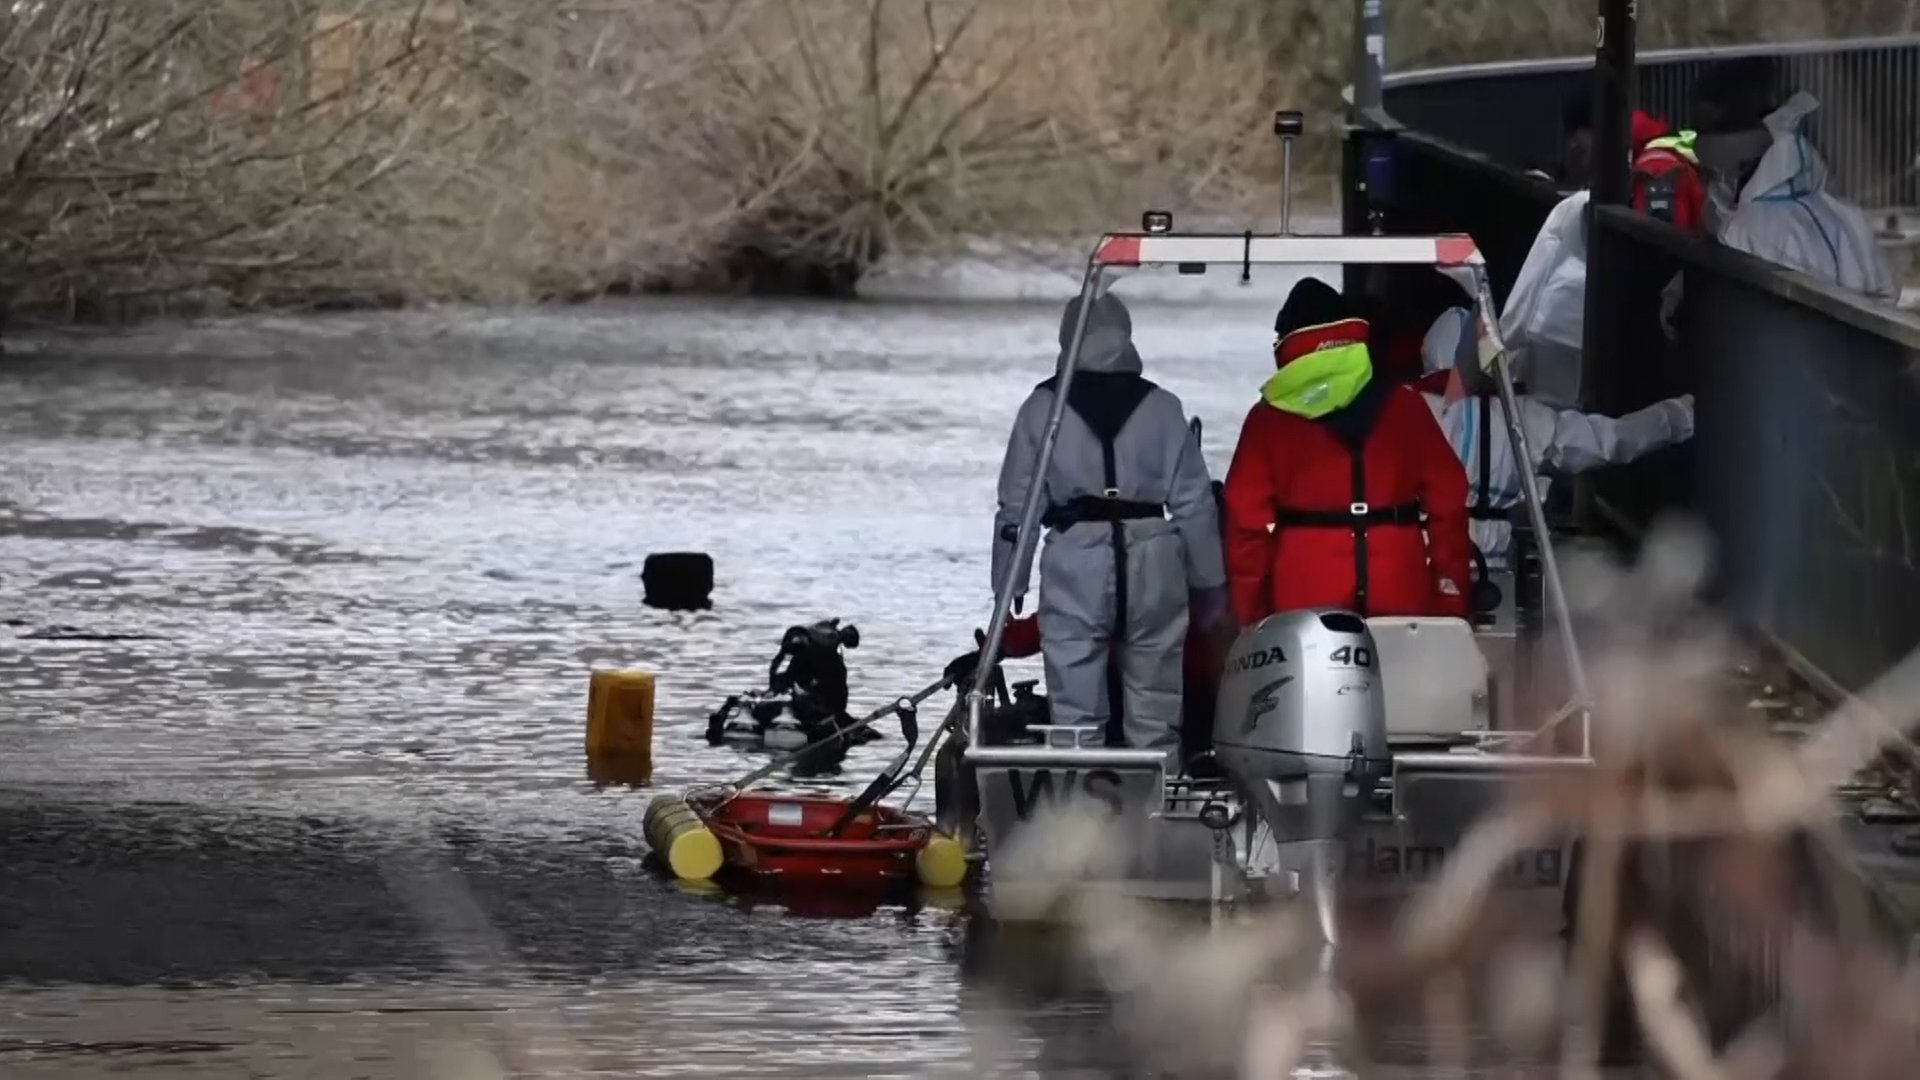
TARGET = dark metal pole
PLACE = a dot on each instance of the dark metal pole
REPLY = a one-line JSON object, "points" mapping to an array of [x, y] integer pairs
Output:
{"points": [[1612, 100], [1369, 67], [1367, 72], [1611, 185]]}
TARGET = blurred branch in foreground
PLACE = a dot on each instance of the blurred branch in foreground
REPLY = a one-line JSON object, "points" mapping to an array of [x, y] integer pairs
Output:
{"points": [[1715, 920]]}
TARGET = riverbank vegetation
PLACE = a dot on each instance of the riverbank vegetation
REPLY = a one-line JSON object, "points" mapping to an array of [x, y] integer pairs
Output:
{"points": [[195, 153]]}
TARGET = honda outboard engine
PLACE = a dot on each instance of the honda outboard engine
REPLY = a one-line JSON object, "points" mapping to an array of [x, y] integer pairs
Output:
{"points": [[1301, 727]]}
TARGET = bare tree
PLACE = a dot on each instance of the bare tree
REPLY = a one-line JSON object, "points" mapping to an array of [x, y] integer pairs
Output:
{"points": [[289, 151], [179, 147], [793, 142]]}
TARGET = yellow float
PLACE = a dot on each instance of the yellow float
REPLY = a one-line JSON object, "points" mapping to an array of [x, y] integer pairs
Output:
{"points": [[680, 839]]}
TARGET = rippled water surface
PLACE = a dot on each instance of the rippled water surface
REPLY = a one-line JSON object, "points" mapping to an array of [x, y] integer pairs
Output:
{"points": [[298, 618]]}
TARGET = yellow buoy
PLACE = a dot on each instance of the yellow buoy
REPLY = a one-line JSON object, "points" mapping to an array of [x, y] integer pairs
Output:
{"points": [[942, 864], [677, 835], [620, 718]]}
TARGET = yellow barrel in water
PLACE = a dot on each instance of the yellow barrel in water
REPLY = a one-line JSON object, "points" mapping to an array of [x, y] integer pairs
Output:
{"points": [[677, 835], [620, 719], [942, 864]]}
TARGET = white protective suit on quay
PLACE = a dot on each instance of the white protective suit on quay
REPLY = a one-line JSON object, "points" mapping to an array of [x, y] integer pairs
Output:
{"points": [[1785, 214], [1546, 313], [1565, 441], [1155, 513]]}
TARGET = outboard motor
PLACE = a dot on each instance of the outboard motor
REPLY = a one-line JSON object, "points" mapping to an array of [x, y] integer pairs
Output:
{"points": [[1301, 726]]}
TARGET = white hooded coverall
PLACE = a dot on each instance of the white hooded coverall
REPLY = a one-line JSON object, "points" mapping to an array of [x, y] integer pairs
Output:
{"points": [[1786, 215], [1156, 461], [1564, 440], [1546, 313]]}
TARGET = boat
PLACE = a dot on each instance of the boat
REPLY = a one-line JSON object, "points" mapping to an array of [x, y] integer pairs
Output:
{"points": [[1349, 750]]}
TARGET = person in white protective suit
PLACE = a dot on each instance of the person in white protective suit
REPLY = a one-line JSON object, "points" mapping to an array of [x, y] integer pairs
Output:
{"points": [[1767, 196], [1545, 315], [1564, 441], [1132, 531]]}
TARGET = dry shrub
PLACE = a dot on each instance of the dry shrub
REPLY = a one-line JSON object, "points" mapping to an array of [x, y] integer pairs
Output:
{"points": [[794, 142], [179, 147], [1715, 908], [488, 149], [491, 149]]}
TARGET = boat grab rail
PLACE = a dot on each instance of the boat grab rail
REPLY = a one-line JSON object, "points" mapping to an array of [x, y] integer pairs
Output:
{"points": [[1062, 757], [1429, 761]]}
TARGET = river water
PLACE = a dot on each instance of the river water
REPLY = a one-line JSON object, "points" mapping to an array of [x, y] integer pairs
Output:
{"points": [[299, 615]]}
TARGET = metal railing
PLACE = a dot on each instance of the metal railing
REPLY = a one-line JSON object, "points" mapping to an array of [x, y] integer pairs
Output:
{"points": [[1805, 462], [1868, 125], [1806, 459]]}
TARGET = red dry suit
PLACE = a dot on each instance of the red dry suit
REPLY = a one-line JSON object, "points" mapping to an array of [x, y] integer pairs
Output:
{"points": [[1022, 638], [1667, 183], [1327, 512]]}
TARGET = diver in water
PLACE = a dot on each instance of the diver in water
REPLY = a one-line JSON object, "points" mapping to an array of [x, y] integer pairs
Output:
{"points": [[1131, 532]]}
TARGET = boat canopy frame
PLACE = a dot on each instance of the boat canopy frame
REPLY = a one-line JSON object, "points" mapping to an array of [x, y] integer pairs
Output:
{"points": [[1456, 256]]}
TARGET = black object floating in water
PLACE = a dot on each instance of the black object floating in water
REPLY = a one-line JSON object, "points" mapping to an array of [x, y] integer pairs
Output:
{"points": [[678, 580]]}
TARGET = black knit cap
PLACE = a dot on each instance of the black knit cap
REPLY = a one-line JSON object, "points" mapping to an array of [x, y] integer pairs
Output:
{"points": [[1735, 95], [1312, 303]]}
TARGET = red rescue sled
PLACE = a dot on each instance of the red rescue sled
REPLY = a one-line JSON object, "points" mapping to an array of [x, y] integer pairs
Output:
{"points": [[784, 840]]}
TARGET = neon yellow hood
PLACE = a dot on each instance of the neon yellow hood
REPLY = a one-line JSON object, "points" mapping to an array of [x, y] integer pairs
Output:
{"points": [[1321, 370]]}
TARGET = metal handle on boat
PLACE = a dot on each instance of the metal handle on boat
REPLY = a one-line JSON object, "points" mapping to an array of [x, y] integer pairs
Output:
{"points": [[1288, 124], [1078, 732], [883, 785], [1536, 512], [872, 718]]}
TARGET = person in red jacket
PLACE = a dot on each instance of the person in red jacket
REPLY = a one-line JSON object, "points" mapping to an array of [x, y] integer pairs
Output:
{"points": [[1667, 182], [1332, 476]]}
